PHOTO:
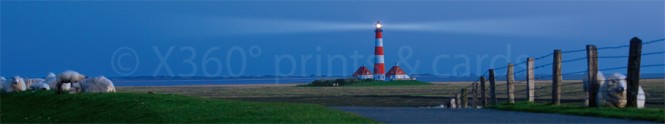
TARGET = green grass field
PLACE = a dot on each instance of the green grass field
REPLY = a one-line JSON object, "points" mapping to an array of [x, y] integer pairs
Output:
{"points": [[46, 107], [650, 114]]}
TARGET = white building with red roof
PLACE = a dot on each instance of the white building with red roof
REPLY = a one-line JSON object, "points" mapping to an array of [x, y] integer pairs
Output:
{"points": [[396, 73], [363, 73]]}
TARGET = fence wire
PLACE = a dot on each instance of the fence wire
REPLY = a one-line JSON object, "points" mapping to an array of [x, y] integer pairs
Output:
{"points": [[549, 76], [627, 46], [583, 58], [654, 41], [625, 56]]}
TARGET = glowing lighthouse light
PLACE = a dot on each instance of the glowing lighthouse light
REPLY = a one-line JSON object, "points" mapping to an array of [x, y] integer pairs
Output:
{"points": [[379, 67]]}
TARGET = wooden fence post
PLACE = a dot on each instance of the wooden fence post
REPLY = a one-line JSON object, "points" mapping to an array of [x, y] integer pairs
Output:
{"points": [[492, 88], [458, 101], [556, 78], [510, 80], [483, 95], [591, 89], [474, 91], [633, 74], [465, 99], [530, 80]]}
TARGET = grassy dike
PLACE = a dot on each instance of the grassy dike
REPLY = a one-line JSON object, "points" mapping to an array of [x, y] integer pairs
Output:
{"points": [[352, 82], [649, 114], [390, 83], [46, 107]]}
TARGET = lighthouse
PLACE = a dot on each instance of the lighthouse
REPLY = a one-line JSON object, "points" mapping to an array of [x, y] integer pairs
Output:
{"points": [[379, 67]]}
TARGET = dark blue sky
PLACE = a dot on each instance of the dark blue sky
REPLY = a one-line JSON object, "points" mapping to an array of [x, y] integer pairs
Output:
{"points": [[230, 38]]}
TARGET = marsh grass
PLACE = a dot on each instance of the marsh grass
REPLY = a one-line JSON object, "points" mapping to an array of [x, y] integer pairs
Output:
{"points": [[380, 95]]}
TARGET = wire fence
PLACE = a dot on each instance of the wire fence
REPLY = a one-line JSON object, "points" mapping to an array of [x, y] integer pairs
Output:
{"points": [[571, 88]]}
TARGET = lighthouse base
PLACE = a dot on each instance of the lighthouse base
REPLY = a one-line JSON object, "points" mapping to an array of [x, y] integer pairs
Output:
{"points": [[379, 77]]}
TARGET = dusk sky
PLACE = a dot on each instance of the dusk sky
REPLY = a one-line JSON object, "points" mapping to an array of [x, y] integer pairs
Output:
{"points": [[233, 38]]}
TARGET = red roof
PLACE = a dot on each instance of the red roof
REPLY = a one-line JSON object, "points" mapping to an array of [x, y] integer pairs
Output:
{"points": [[395, 70], [362, 71]]}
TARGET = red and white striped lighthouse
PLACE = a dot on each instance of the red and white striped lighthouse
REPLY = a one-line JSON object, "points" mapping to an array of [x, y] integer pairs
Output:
{"points": [[379, 67]]}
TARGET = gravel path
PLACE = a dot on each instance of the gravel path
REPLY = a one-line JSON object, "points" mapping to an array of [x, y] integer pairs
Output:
{"points": [[440, 115]]}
